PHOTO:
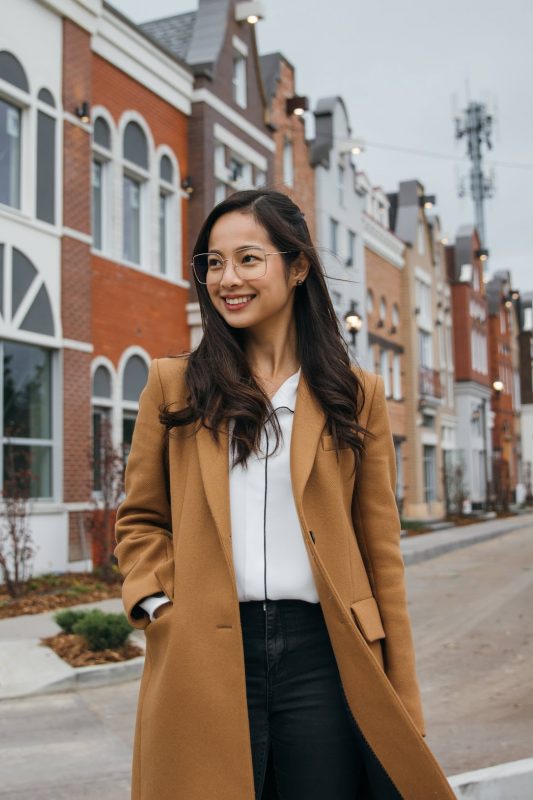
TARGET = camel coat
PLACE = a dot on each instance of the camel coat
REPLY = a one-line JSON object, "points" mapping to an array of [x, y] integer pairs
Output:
{"points": [[173, 534]]}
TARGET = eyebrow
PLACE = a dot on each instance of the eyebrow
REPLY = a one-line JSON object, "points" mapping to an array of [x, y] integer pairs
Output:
{"points": [[214, 249]]}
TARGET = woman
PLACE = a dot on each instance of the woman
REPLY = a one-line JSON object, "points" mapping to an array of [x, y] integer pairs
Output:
{"points": [[259, 543]]}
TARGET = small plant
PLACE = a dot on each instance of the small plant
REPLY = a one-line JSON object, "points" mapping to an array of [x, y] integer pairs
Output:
{"points": [[68, 618], [102, 630]]}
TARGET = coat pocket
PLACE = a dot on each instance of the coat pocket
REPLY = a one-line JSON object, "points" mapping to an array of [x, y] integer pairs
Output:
{"points": [[329, 444], [165, 577], [368, 618]]}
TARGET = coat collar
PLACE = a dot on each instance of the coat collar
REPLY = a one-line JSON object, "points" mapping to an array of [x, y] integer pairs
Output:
{"points": [[307, 426]]}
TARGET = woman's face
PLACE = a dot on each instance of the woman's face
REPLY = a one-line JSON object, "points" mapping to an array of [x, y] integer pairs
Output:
{"points": [[271, 295]]}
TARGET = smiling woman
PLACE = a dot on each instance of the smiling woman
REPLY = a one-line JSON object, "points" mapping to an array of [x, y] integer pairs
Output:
{"points": [[284, 658]]}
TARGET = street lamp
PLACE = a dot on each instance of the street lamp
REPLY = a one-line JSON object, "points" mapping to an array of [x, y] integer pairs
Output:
{"points": [[353, 321], [497, 385]]}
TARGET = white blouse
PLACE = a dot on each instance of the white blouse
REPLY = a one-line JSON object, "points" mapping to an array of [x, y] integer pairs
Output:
{"points": [[269, 554]]}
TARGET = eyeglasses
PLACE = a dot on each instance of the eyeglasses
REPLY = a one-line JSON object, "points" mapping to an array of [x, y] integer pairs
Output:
{"points": [[249, 263]]}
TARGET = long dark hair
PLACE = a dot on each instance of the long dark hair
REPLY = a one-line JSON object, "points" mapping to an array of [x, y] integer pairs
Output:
{"points": [[218, 378]]}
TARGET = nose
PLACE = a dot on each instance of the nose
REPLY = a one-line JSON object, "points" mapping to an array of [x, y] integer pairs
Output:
{"points": [[230, 277]]}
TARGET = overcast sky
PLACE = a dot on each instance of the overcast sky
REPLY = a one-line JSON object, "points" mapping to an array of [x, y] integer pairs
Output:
{"points": [[404, 70]]}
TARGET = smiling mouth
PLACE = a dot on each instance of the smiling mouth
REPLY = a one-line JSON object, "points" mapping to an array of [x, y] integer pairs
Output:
{"points": [[238, 301]]}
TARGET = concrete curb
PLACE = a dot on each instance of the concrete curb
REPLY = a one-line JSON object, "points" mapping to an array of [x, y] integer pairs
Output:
{"points": [[510, 781]]}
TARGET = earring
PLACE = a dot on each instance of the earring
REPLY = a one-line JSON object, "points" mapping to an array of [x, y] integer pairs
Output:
{"points": [[298, 282]]}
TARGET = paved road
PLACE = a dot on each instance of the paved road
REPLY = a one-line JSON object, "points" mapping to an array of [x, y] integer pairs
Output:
{"points": [[473, 628], [474, 643]]}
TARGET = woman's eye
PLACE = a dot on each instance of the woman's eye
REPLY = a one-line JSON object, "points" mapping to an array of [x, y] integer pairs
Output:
{"points": [[214, 263]]}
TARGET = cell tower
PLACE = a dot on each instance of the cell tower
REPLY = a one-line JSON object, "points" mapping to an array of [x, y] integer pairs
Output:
{"points": [[476, 124]]}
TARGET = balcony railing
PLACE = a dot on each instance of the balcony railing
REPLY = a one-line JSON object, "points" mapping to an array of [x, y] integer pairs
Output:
{"points": [[429, 384]]}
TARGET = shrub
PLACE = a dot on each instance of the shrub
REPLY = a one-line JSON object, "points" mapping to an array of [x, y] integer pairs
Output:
{"points": [[103, 631], [68, 618]]}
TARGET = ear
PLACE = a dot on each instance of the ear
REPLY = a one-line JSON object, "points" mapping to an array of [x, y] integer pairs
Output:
{"points": [[300, 267]]}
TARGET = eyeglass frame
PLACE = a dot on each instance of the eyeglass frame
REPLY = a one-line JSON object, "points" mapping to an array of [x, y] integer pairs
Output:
{"points": [[225, 261]]}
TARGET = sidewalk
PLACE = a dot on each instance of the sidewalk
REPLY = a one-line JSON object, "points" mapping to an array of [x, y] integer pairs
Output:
{"points": [[28, 668]]}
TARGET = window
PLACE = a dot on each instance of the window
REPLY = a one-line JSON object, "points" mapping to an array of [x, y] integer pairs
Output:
{"points": [[131, 228], [340, 184], [288, 166], [396, 377], [100, 182], [430, 473], [395, 316], [369, 301], [425, 346], [384, 370], [27, 436], [423, 303], [46, 159], [220, 192], [350, 261], [333, 235], [421, 238], [239, 79], [102, 415], [133, 381], [382, 310], [10, 140], [13, 73], [135, 177], [166, 203]]}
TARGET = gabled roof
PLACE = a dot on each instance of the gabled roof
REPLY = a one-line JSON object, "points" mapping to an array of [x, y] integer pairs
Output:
{"points": [[270, 72], [173, 33]]}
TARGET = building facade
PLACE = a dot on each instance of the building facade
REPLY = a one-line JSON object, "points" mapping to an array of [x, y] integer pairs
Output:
{"points": [[385, 322], [293, 173], [339, 215], [424, 489], [473, 467], [230, 138], [93, 136]]}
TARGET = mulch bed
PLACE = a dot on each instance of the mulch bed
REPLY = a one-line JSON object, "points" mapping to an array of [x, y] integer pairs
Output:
{"points": [[53, 592], [73, 649]]}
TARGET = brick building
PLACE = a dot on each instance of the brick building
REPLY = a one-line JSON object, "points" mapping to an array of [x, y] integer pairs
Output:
{"points": [[525, 318], [293, 173], [503, 367], [472, 375], [230, 139], [92, 243], [386, 325]]}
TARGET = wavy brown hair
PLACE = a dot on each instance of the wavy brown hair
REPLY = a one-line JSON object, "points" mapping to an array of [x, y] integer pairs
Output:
{"points": [[218, 378]]}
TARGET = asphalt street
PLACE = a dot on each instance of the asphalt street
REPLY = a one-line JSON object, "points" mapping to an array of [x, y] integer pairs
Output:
{"points": [[474, 645]]}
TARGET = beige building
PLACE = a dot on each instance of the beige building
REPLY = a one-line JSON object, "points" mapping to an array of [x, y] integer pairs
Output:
{"points": [[425, 309]]}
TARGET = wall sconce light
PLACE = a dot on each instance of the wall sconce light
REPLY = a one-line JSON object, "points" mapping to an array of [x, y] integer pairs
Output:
{"points": [[515, 294], [353, 321], [427, 201], [83, 112], [497, 385], [296, 105], [187, 186], [353, 146], [250, 11], [482, 254]]}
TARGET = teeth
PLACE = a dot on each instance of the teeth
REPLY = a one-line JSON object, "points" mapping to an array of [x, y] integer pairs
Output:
{"points": [[235, 301]]}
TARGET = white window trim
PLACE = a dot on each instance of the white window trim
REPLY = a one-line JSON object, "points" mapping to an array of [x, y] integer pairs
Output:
{"points": [[240, 46]]}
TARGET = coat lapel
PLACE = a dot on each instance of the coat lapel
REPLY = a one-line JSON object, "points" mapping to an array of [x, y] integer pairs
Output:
{"points": [[307, 425]]}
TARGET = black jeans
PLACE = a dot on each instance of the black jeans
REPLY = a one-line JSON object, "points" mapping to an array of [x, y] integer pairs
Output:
{"points": [[305, 741]]}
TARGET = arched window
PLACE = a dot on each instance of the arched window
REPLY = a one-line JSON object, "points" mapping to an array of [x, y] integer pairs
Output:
{"points": [[101, 184], [11, 111], [369, 301], [395, 315], [27, 419], [135, 178], [133, 381], [102, 402]]}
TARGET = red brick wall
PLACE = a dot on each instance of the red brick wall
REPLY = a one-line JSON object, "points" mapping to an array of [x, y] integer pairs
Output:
{"points": [[132, 307], [292, 128], [75, 278]]}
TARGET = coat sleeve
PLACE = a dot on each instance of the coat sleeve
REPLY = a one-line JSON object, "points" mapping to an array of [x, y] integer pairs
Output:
{"points": [[143, 528], [377, 524]]}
